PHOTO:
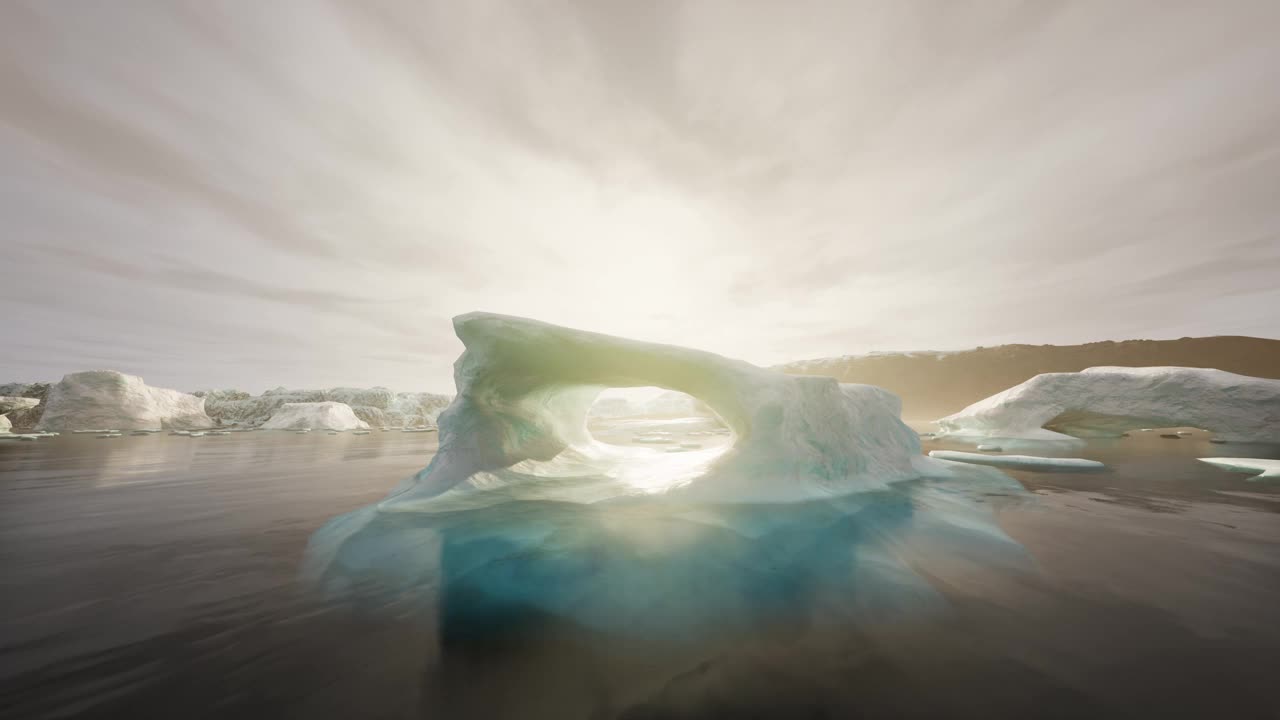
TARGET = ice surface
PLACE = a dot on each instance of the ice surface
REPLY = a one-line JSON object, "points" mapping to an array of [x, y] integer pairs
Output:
{"points": [[1270, 469], [1106, 401], [318, 415], [108, 399], [521, 512], [1027, 462]]}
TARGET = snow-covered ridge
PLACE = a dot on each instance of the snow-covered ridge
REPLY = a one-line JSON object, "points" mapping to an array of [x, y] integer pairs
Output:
{"points": [[1106, 401], [110, 399]]}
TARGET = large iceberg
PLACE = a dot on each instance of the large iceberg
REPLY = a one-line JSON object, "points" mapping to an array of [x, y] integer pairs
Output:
{"points": [[109, 399], [1106, 401], [315, 415], [525, 388], [812, 511]]}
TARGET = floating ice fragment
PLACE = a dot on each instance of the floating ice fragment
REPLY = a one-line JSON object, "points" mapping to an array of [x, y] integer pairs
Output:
{"points": [[1269, 468], [1024, 462]]}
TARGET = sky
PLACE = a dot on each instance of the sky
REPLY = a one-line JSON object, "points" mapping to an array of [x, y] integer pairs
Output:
{"points": [[248, 194]]}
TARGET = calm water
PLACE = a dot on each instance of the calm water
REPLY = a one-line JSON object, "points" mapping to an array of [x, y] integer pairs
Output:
{"points": [[156, 577]]}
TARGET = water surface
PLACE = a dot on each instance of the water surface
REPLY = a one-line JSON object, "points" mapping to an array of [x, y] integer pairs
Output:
{"points": [[157, 577]]}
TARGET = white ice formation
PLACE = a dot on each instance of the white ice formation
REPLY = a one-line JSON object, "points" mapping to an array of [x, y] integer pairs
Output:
{"points": [[1025, 462], [377, 406], [1106, 401], [9, 404], [525, 387], [109, 399], [317, 415], [1269, 469]]}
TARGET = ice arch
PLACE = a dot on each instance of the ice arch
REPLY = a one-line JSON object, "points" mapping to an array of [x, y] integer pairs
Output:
{"points": [[524, 389], [1106, 401]]}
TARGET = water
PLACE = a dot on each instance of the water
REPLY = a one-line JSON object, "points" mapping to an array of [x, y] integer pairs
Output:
{"points": [[157, 577]]}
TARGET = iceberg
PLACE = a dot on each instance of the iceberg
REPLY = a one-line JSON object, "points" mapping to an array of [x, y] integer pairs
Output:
{"points": [[525, 388], [1107, 401], [1269, 469], [109, 399], [319, 415], [521, 513], [1024, 462], [27, 416], [9, 404]]}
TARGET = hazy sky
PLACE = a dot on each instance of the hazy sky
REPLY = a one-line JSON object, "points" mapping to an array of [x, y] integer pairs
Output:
{"points": [[251, 194]]}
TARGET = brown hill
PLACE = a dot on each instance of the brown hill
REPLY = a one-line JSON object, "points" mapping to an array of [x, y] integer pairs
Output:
{"points": [[934, 384]]}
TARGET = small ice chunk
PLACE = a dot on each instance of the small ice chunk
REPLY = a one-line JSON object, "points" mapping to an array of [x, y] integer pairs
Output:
{"points": [[1269, 468], [990, 448], [1025, 462]]}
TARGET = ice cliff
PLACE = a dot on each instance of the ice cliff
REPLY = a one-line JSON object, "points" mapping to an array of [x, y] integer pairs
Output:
{"points": [[1106, 401], [109, 399], [315, 415]]}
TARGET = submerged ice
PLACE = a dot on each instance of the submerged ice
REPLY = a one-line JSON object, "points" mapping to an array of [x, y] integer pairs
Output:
{"points": [[810, 508]]}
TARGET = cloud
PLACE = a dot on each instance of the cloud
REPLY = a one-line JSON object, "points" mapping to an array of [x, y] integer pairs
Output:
{"points": [[764, 180]]}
